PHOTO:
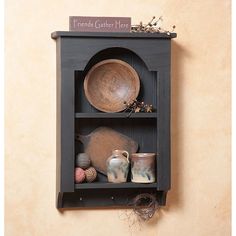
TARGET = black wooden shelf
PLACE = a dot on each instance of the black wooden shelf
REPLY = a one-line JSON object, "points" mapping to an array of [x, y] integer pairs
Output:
{"points": [[116, 115], [114, 185], [150, 56]]}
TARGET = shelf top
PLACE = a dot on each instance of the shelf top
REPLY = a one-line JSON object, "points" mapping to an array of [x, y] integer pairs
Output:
{"points": [[58, 34]]}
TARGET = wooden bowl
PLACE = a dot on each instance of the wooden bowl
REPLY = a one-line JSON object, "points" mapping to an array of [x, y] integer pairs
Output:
{"points": [[110, 83]]}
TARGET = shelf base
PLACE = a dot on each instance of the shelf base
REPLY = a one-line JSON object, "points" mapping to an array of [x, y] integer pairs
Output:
{"points": [[106, 198]]}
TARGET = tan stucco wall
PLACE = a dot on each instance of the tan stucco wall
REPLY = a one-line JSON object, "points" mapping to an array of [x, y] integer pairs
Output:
{"points": [[199, 202]]}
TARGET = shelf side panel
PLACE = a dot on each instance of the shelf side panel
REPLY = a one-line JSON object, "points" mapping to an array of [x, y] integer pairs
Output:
{"points": [[66, 77], [163, 160]]}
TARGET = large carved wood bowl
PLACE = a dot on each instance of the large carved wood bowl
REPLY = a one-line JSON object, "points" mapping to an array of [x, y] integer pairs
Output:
{"points": [[110, 83]]}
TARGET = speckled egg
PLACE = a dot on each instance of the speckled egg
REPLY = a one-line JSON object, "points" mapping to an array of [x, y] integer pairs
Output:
{"points": [[82, 160], [79, 175], [90, 174]]}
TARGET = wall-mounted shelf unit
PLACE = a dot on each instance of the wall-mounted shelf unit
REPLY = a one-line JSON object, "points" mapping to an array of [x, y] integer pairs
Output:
{"points": [[149, 54]]}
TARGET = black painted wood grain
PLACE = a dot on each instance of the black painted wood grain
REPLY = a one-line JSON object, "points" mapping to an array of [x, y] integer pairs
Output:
{"points": [[149, 54], [76, 52], [141, 130], [122, 198]]}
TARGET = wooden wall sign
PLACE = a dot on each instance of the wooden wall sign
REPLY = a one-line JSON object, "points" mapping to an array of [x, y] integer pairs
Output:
{"points": [[100, 24]]}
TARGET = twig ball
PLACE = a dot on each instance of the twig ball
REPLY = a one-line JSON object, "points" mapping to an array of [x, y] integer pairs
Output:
{"points": [[79, 175], [82, 160], [90, 174]]}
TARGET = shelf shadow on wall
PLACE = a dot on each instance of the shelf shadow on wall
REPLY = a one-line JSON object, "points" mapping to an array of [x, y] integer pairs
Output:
{"points": [[175, 195]]}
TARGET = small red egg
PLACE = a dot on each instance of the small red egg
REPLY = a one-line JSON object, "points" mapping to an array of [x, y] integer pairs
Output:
{"points": [[79, 175]]}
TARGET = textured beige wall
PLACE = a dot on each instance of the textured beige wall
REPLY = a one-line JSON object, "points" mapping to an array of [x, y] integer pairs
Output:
{"points": [[199, 202]]}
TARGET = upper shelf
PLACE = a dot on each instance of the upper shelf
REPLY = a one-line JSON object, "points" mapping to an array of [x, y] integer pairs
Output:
{"points": [[57, 34], [116, 115]]}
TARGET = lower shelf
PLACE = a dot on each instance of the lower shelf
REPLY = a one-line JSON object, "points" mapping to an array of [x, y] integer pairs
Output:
{"points": [[114, 185]]}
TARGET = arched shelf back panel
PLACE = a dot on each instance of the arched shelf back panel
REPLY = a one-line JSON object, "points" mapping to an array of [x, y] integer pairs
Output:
{"points": [[116, 53], [148, 79]]}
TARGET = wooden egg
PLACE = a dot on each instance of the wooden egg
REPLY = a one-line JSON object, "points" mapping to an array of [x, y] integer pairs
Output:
{"points": [[82, 160], [90, 174], [79, 175]]}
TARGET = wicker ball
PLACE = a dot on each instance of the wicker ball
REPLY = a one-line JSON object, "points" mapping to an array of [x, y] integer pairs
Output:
{"points": [[82, 160], [79, 175], [90, 174]]}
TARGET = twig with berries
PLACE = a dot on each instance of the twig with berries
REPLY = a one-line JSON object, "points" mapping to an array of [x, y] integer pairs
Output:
{"points": [[136, 106], [152, 27]]}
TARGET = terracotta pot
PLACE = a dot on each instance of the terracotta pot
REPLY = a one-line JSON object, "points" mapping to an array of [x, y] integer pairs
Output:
{"points": [[143, 167]]}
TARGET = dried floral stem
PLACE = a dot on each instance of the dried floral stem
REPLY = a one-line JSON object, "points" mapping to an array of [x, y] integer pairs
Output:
{"points": [[151, 27], [150, 22], [159, 19], [136, 106]]}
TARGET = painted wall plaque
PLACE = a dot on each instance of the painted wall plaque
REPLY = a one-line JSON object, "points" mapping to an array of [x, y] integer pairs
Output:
{"points": [[99, 24]]}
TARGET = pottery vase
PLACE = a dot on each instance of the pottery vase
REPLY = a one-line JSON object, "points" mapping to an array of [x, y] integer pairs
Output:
{"points": [[118, 166], [143, 167]]}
